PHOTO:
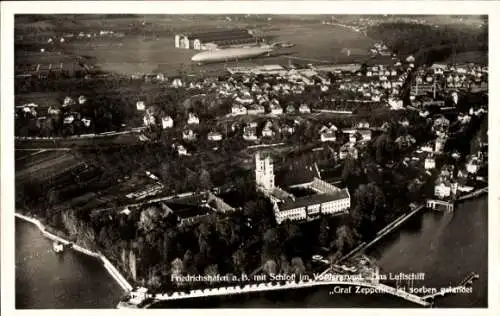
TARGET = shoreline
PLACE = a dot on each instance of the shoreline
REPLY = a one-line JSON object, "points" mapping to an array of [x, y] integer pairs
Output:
{"points": [[112, 270], [396, 223]]}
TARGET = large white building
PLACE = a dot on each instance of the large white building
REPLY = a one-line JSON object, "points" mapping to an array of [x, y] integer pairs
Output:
{"points": [[327, 200], [309, 207], [211, 39]]}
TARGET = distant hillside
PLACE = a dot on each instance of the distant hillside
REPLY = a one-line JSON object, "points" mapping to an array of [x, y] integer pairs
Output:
{"points": [[434, 42]]}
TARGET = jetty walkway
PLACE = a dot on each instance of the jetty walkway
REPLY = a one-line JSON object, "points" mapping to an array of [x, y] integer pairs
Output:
{"points": [[465, 282], [381, 233], [473, 194]]}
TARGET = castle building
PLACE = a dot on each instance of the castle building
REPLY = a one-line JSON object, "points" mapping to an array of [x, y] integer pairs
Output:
{"points": [[326, 198]]}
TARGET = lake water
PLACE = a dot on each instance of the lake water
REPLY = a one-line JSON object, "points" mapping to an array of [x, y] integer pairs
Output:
{"points": [[45, 279], [445, 247]]}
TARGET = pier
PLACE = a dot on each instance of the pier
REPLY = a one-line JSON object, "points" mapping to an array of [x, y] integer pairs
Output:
{"points": [[381, 233], [473, 194], [433, 204], [467, 281]]}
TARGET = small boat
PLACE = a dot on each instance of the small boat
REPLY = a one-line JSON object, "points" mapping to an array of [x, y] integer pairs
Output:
{"points": [[58, 247]]}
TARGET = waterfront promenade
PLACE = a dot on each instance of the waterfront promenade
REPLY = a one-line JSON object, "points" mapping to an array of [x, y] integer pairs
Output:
{"points": [[124, 284], [321, 280], [251, 288]]}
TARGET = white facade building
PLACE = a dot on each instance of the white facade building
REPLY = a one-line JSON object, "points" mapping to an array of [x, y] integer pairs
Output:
{"points": [[439, 146], [140, 105], [311, 206], [214, 136], [188, 134], [167, 122], [304, 108], [193, 119], [429, 163], [472, 166], [442, 190], [238, 109]]}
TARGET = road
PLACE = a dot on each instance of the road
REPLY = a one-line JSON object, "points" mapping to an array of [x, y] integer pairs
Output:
{"points": [[81, 143]]}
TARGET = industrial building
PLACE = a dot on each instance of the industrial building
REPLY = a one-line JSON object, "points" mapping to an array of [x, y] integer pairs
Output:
{"points": [[213, 39]]}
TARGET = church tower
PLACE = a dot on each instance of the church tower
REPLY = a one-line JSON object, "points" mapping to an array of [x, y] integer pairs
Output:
{"points": [[264, 172]]}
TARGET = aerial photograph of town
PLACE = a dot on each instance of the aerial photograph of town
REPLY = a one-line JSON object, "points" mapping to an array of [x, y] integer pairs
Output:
{"points": [[250, 161]]}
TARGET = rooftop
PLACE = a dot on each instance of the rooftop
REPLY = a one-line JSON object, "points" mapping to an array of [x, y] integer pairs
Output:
{"points": [[314, 199], [191, 212], [295, 174], [220, 35]]}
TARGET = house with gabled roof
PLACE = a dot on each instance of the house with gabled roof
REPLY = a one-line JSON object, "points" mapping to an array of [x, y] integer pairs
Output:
{"points": [[304, 108], [188, 134]]}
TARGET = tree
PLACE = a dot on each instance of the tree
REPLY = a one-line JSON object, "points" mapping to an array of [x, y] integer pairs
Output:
{"points": [[52, 197], [204, 236], [298, 266], [250, 208], [383, 148], [205, 181], [271, 244], [369, 209], [345, 238], [239, 260], [188, 262], [165, 172], [270, 267], [324, 233], [292, 239], [150, 218], [349, 169], [285, 266], [176, 267], [212, 270]]}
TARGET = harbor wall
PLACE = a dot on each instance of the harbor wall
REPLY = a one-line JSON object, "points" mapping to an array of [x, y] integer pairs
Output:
{"points": [[107, 264]]}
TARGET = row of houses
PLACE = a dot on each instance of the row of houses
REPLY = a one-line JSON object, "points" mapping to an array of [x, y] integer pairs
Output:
{"points": [[449, 78], [274, 108], [378, 83], [69, 115]]}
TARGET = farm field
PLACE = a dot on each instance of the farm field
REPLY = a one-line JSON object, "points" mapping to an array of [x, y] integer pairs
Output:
{"points": [[44, 166]]}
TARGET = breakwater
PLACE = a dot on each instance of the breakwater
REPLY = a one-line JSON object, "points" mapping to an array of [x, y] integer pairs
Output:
{"points": [[124, 284], [473, 194]]}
